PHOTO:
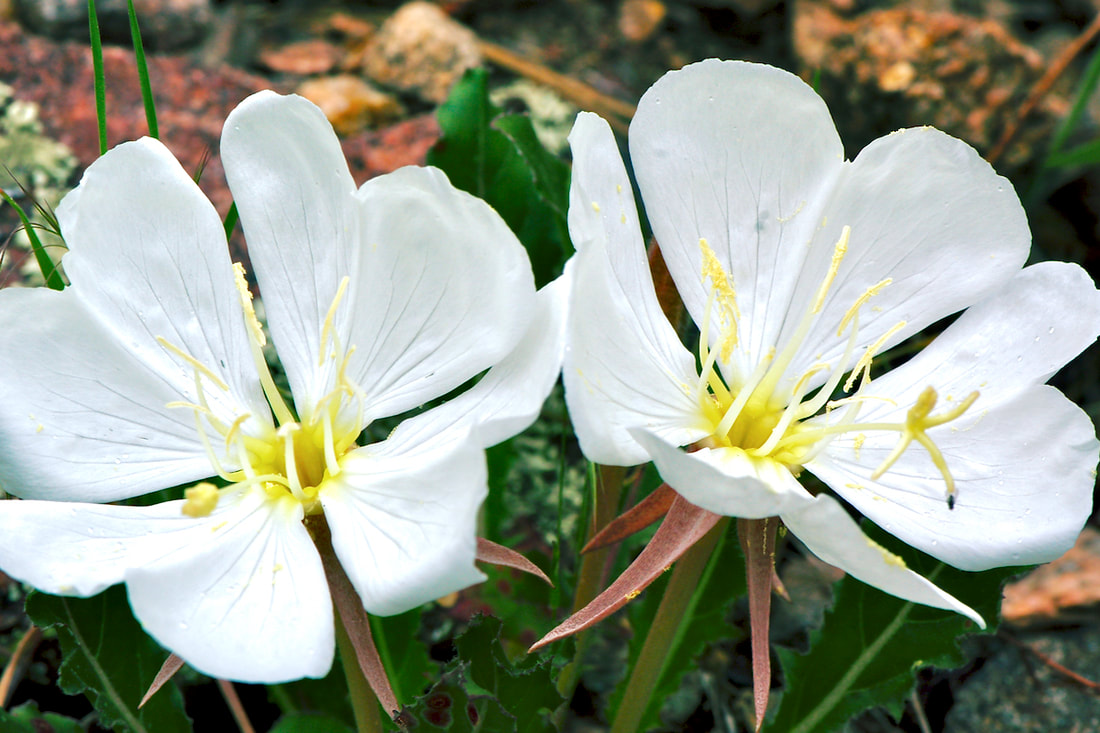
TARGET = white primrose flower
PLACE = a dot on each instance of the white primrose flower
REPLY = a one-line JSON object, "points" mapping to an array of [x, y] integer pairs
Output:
{"points": [[800, 269], [148, 373]]}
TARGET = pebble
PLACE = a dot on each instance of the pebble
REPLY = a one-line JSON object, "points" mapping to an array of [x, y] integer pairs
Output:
{"points": [[421, 50], [165, 24]]}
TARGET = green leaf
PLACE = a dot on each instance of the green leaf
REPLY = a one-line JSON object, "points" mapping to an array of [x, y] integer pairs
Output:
{"points": [[28, 719], [1083, 154], [524, 689], [450, 706], [705, 623], [504, 696], [499, 159], [405, 656], [109, 658], [310, 723], [872, 644]]}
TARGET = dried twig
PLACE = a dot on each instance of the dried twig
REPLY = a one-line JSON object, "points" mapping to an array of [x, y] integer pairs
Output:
{"points": [[1060, 669], [235, 706], [1043, 86], [617, 112], [20, 658]]}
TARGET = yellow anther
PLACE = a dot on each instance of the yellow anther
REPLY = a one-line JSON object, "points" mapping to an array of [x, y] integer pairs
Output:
{"points": [[250, 318], [201, 499], [197, 365], [595, 207], [860, 301], [725, 296], [839, 250], [330, 318]]}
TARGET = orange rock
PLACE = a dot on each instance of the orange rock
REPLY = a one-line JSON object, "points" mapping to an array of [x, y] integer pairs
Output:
{"points": [[304, 57], [639, 19], [350, 103], [1070, 582]]}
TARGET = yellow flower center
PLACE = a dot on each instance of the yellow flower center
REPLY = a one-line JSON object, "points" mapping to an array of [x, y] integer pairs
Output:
{"points": [[293, 460], [753, 414]]}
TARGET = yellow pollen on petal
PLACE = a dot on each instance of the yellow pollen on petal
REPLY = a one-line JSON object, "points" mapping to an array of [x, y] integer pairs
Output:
{"points": [[724, 296]]}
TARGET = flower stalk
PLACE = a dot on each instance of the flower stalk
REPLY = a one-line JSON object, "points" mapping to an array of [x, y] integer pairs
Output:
{"points": [[676, 609]]}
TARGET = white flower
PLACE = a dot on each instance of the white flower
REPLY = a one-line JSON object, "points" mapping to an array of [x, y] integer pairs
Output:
{"points": [[147, 373], [799, 268]]}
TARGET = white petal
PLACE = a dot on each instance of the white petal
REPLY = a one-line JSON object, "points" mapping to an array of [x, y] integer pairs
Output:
{"points": [[403, 521], [84, 379], [827, 530], [510, 395], [1046, 315], [725, 480], [443, 291], [81, 549], [925, 211], [744, 156], [247, 601], [624, 364], [1024, 470], [296, 200]]}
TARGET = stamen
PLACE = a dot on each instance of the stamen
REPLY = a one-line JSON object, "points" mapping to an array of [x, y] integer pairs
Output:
{"points": [[839, 250], [744, 394], [332, 464], [256, 342], [286, 433], [330, 317], [201, 500], [197, 365], [790, 412], [723, 291], [864, 363], [860, 301]]}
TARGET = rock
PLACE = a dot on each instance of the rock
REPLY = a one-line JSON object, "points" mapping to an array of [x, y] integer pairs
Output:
{"points": [[1059, 589], [420, 49], [1015, 691], [165, 24], [901, 67], [640, 19], [350, 104], [303, 57]]}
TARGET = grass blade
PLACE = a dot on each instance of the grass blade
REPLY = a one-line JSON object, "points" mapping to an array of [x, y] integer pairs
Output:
{"points": [[49, 269], [97, 71], [143, 72]]}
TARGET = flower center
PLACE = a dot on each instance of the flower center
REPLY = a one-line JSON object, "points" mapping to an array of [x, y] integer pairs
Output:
{"points": [[758, 416], [294, 459]]}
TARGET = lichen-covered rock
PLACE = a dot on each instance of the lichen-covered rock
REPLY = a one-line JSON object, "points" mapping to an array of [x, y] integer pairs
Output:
{"points": [[901, 67], [165, 24], [421, 50]]}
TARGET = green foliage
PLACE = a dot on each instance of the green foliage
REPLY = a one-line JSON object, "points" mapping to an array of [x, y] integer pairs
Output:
{"points": [[501, 695], [28, 719], [109, 658], [705, 623], [310, 723], [404, 655], [45, 264], [872, 644], [498, 158]]}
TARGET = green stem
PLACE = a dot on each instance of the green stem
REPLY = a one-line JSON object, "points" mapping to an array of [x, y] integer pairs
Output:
{"points": [[363, 702], [608, 486], [676, 609]]}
